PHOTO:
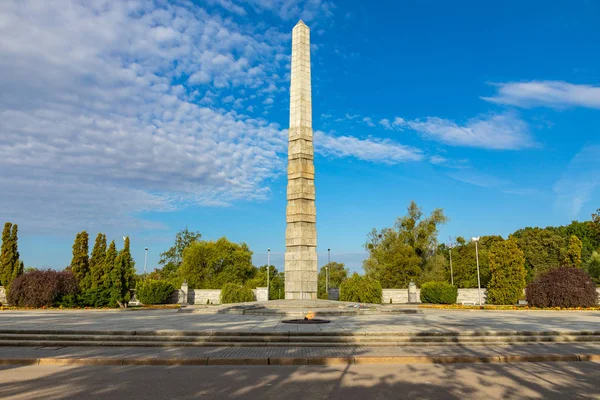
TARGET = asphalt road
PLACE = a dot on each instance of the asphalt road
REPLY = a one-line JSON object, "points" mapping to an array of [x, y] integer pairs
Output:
{"points": [[578, 380]]}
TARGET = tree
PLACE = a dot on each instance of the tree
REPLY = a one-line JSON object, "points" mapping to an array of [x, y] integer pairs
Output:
{"points": [[171, 259], [593, 267], [337, 274], [80, 261], [97, 261], [435, 270], [543, 250], [507, 269], [464, 262], [10, 265], [397, 255], [121, 277], [573, 254], [391, 261], [276, 281], [109, 264], [595, 226], [418, 232], [211, 264]]}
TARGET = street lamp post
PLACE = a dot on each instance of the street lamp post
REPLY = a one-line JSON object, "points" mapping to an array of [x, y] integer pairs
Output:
{"points": [[476, 240], [145, 261], [268, 270]]}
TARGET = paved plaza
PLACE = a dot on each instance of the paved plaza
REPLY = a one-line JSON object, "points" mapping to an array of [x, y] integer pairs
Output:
{"points": [[427, 320]]}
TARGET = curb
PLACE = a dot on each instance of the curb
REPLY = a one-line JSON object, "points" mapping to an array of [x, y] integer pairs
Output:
{"points": [[508, 359]]}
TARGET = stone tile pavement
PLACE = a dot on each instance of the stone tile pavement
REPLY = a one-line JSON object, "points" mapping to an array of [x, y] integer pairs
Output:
{"points": [[427, 321]]}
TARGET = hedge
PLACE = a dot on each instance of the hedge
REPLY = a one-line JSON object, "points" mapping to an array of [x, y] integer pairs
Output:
{"points": [[152, 291], [563, 287], [438, 293], [360, 289], [232, 293]]}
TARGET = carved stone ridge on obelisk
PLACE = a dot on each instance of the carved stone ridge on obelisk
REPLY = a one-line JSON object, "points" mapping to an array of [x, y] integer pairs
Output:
{"points": [[301, 214]]}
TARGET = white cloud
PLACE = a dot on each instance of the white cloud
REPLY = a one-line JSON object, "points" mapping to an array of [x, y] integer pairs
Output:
{"points": [[385, 123], [307, 10], [490, 131], [97, 127], [579, 182], [368, 121], [372, 149], [555, 94]]}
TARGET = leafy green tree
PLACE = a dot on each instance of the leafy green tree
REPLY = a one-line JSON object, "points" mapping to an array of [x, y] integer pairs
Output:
{"points": [[595, 226], [507, 268], [584, 231], [171, 259], [276, 281], [211, 264], [573, 253], [361, 289], [80, 265], [97, 261], [543, 250], [391, 261], [464, 262], [436, 270], [337, 272], [109, 264], [593, 267], [420, 232], [397, 255], [121, 276], [10, 265]]}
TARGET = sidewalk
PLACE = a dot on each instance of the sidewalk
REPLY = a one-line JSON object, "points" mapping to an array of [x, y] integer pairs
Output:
{"points": [[297, 356]]}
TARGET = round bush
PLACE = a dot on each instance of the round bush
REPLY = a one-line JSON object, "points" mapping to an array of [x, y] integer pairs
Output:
{"points": [[153, 291], [360, 289], [438, 293], [42, 288], [232, 293], [563, 287]]}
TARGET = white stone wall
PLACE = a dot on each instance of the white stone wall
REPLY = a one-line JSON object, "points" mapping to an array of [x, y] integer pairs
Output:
{"points": [[470, 296], [3, 299], [200, 296], [260, 294], [397, 296]]}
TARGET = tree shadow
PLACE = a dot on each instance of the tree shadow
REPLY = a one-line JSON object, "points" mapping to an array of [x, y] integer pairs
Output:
{"points": [[578, 380]]}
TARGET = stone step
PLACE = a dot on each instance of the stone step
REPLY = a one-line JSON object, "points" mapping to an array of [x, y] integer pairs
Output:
{"points": [[150, 340], [291, 334], [83, 343]]}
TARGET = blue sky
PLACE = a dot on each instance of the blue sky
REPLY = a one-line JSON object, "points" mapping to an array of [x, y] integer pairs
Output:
{"points": [[140, 118]]}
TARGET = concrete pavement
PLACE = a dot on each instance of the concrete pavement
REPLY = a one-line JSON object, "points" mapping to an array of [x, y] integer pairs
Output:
{"points": [[346, 382]]}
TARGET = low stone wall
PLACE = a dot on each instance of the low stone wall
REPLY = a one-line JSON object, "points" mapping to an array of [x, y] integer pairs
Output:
{"points": [[3, 299], [471, 296], [400, 296], [204, 296], [334, 294]]}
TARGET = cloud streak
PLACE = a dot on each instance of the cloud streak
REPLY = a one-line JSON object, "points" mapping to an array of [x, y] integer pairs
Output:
{"points": [[555, 94]]}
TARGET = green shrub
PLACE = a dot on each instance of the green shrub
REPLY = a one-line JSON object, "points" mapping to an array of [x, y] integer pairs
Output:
{"points": [[360, 289], [563, 287], [438, 293], [96, 297], [153, 291], [232, 293]]}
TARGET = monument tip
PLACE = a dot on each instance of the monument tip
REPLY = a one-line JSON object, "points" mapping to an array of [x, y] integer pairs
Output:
{"points": [[301, 23]]}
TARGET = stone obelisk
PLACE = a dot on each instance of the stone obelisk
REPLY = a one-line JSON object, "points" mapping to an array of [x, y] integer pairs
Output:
{"points": [[301, 214]]}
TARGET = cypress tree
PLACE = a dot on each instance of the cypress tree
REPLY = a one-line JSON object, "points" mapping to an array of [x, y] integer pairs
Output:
{"points": [[121, 276], [507, 268], [80, 262], [109, 265], [97, 261], [6, 254], [16, 266]]}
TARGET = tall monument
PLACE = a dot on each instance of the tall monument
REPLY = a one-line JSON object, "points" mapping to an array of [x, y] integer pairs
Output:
{"points": [[301, 232]]}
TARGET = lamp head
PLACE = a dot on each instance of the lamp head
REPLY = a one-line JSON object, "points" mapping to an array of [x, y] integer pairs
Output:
{"points": [[475, 239]]}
